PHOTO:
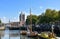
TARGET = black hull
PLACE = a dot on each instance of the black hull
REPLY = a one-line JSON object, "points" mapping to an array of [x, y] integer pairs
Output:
{"points": [[14, 28], [31, 36]]}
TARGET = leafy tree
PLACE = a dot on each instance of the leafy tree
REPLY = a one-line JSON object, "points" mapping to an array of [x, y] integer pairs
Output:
{"points": [[52, 14], [44, 19], [48, 12], [28, 20], [0, 21], [48, 16], [34, 19], [59, 15]]}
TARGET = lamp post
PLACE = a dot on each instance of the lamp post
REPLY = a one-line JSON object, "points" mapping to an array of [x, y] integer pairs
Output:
{"points": [[52, 28]]}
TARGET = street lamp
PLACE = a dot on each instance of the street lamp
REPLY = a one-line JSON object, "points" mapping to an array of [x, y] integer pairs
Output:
{"points": [[52, 28]]}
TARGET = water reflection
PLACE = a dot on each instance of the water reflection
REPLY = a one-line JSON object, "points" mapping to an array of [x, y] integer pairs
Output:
{"points": [[1, 34], [13, 34], [25, 37]]}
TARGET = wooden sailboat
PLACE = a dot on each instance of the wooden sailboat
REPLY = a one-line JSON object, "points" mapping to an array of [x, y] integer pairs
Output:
{"points": [[24, 32], [30, 33]]}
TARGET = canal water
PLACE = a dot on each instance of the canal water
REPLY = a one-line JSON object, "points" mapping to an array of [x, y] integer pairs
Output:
{"points": [[13, 34]]}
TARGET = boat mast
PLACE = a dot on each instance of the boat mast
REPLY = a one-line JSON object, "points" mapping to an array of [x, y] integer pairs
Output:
{"points": [[30, 20]]}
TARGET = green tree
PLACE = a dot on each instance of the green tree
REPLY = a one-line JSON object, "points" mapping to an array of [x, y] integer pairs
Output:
{"points": [[34, 19], [28, 20], [48, 16], [52, 14], [59, 15], [44, 19], [0, 21], [48, 12]]}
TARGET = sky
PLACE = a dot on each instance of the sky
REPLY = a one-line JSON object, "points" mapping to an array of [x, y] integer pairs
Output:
{"points": [[10, 9]]}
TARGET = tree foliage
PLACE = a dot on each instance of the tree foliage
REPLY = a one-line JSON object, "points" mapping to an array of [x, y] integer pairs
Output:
{"points": [[0, 21], [34, 19], [48, 16]]}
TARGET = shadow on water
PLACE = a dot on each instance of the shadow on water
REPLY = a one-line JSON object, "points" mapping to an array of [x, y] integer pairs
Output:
{"points": [[25, 37]]}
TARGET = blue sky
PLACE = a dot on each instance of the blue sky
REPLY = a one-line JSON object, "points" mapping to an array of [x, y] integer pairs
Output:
{"points": [[10, 9]]}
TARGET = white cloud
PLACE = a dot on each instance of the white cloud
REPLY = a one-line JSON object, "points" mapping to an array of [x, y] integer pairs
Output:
{"points": [[19, 12], [41, 7], [4, 19], [14, 19]]}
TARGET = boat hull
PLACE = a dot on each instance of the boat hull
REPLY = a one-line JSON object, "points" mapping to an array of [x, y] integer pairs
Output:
{"points": [[23, 32], [14, 28], [2, 28], [32, 34]]}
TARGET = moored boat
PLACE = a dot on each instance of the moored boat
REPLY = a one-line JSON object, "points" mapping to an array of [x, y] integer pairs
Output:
{"points": [[52, 36], [32, 34], [46, 35], [23, 32], [2, 27], [43, 35], [13, 28]]}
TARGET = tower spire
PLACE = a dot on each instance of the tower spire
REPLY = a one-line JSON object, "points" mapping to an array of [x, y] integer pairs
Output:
{"points": [[9, 20]]}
